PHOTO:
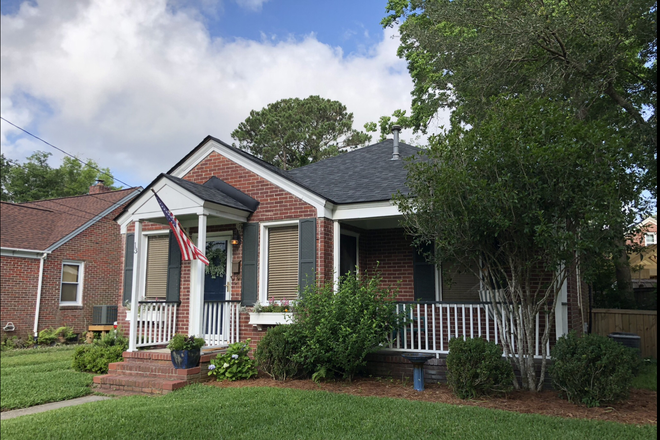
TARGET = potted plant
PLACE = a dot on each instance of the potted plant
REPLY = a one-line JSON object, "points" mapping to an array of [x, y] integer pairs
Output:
{"points": [[185, 350]]}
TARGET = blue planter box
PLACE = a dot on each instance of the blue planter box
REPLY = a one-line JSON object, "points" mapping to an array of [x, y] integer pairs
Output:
{"points": [[185, 358]]}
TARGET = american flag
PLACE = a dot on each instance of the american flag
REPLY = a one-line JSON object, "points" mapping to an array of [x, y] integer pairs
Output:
{"points": [[188, 250]]}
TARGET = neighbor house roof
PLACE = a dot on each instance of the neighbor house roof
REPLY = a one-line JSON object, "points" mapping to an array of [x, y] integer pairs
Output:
{"points": [[45, 224]]}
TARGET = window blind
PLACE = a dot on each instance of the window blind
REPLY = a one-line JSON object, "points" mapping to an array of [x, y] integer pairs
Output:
{"points": [[157, 251], [283, 263]]}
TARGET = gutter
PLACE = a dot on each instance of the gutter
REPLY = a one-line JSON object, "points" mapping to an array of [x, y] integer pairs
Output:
{"points": [[39, 286]]}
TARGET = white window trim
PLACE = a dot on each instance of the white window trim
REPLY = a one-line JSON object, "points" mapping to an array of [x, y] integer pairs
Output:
{"points": [[263, 254], [81, 282], [143, 260], [655, 238]]}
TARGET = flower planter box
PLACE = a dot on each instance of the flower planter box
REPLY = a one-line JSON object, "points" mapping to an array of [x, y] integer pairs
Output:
{"points": [[270, 318]]}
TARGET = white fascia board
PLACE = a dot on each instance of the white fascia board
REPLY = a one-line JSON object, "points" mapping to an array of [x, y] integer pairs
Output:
{"points": [[22, 253], [318, 202], [649, 220], [116, 205], [366, 210]]}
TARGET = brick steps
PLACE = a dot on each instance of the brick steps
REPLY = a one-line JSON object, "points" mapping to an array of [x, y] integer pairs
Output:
{"points": [[151, 372]]}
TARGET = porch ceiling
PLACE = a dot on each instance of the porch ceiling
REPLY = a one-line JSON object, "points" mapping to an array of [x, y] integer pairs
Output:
{"points": [[375, 223]]}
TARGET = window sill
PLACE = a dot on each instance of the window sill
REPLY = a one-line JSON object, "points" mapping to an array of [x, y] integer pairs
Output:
{"points": [[71, 306]]}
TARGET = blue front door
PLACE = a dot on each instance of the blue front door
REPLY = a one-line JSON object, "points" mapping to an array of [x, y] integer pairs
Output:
{"points": [[215, 286]]}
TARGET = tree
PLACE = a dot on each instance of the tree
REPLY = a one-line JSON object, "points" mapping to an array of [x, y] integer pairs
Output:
{"points": [[37, 180], [520, 200], [600, 55], [294, 132]]}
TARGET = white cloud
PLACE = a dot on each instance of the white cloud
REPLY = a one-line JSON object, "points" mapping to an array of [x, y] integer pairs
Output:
{"points": [[254, 5], [136, 85]]}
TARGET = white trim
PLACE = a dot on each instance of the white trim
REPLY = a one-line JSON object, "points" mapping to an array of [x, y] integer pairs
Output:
{"points": [[366, 210], [80, 284], [137, 251], [302, 193], [655, 238], [40, 284], [22, 253], [263, 254], [336, 242]]}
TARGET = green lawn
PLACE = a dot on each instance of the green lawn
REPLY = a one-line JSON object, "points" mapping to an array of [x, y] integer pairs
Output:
{"points": [[34, 376], [206, 412]]}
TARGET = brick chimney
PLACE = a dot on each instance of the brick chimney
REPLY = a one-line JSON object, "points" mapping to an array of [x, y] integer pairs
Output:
{"points": [[99, 187]]}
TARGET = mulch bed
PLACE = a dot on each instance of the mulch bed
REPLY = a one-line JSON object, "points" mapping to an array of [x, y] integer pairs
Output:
{"points": [[640, 409]]}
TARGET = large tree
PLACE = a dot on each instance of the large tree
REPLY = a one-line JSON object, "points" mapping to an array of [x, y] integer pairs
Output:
{"points": [[520, 200], [37, 180], [601, 55], [294, 132]]}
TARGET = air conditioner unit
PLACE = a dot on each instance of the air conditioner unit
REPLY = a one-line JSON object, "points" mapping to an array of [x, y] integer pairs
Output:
{"points": [[104, 315]]}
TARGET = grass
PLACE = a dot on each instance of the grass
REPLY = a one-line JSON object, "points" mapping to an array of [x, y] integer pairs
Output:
{"points": [[200, 411], [647, 378], [31, 377]]}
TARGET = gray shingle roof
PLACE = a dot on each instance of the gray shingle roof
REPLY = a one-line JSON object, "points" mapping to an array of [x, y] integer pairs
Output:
{"points": [[364, 175], [210, 194]]}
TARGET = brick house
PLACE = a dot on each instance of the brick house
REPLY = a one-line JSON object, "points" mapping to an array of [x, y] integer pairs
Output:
{"points": [[278, 230], [59, 258]]}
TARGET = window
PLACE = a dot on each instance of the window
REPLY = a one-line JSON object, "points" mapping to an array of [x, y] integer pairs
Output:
{"points": [[157, 253], [282, 266], [649, 238], [71, 289]]}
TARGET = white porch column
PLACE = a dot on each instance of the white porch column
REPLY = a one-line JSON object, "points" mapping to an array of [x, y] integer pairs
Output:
{"points": [[561, 311], [195, 326], [135, 291], [336, 240]]}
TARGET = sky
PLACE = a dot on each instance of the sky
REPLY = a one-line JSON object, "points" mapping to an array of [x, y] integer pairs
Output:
{"points": [[136, 85]]}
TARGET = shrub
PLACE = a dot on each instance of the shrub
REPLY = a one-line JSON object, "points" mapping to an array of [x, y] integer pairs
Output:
{"points": [[95, 357], [592, 369], [476, 367], [275, 352], [339, 329], [46, 336], [235, 364]]}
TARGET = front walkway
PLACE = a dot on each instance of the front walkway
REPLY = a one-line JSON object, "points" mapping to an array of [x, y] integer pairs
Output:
{"points": [[48, 406]]}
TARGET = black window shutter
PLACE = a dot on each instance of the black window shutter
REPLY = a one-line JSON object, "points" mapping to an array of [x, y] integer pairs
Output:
{"points": [[424, 274], [250, 254], [128, 268], [306, 253], [173, 270]]}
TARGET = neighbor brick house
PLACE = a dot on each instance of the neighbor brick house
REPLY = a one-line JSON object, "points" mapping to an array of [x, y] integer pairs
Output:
{"points": [[59, 258]]}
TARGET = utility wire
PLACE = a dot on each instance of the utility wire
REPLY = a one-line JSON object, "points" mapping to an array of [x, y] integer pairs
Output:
{"points": [[68, 154]]}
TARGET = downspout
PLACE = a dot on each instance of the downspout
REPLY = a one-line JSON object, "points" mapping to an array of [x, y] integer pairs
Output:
{"points": [[39, 286]]}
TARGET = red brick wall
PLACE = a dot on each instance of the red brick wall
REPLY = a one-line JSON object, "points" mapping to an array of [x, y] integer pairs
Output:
{"points": [[99, 247], [20, 277]]}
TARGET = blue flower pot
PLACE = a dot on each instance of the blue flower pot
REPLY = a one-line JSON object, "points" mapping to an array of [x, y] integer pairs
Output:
{"points": [[186, 358]]}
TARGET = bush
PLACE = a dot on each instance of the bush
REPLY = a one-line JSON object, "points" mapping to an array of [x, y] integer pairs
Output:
{"points": [[47, 336], [95, 357], [592, 369], [182, 342], [234, 364], [338, 329], [476, 367], [275, 352], [15, 342]]}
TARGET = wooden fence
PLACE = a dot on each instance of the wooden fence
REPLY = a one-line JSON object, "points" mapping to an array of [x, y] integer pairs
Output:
{"points": [[640, 322]]}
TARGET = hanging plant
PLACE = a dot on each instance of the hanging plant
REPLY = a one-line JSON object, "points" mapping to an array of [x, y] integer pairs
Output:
{"points": [[217, 260]]}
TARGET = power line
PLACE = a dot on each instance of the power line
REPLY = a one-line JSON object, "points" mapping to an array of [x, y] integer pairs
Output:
{"points": [[68, 154]]}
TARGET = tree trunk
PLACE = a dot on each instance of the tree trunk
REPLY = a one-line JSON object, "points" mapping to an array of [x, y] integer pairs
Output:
{"points": [[624, 276]]}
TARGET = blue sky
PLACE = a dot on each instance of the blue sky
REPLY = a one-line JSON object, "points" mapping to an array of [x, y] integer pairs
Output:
{"points": [[135, 85]]}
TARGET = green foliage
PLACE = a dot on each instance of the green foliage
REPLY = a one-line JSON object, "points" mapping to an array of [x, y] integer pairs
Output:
{"points": [[37, 180], [276, 350], [275, 306], [15, 342], [38, 376], [475, 367], [294, 132], [338, 329], [598, 55], [47, 336], [217, 257], [647, 376], [234, 364], [95, 357], [182, 342], [592, 369]]}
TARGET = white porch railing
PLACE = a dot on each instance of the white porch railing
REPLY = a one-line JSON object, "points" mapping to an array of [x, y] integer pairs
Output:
{"points": [[156, 323], [221, 322], [428, 326]]}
